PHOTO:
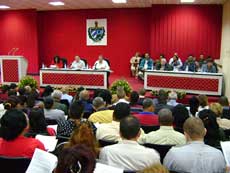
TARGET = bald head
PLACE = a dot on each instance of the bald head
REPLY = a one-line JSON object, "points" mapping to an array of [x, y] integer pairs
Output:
{"points": [[165, 117], [194, 128], [84, 95]]}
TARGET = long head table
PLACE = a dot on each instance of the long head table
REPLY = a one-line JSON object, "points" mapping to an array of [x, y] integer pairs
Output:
{"points": [[195, 83], [91, 79]]}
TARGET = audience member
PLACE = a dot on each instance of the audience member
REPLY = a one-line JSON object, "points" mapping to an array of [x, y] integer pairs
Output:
{"points": [[76, 159], [66, 127], [142, 93], [107, 97], [128, 154], [102, 114], [85, 99], [38, 124], [223, 100], [134, 106], [195, 156], [50, 112], [83, 134], [47, 91], [172, 99], [157, 168], [121, 95], [147, 117], [66, 96], [214, 134], [57, 94], [166, 135], [14, 125], [161, 101], [203, 102], [193, 106], [110, 131]]}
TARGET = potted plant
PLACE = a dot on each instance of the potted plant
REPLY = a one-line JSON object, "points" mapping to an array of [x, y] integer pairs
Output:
{"points": [[121, 83], [28, 81]]}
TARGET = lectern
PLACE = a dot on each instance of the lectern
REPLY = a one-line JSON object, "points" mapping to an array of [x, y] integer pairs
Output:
{"points": [[13, 68]]}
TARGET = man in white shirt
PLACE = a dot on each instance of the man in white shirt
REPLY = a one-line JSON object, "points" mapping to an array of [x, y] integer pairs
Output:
{"points": [[78, 63], [110, 131], [166, 135], [195, 156], [101, 64], [128, 154], [66, 96], [172, 99], [121, 96], [175, 62]]}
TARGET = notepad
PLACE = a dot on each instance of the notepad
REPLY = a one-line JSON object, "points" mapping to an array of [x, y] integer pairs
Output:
{"points": [[49, 142], [42, 162], [102, 168], [226, 151]]}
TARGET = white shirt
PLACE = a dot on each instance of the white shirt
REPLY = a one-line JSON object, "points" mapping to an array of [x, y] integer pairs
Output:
{"points": [[101, 66], [129, 155], [110, 131], [166, 135], [67, 97], [195, 157], [121, 101], [78, 65], [54, 114], [180, 64]]}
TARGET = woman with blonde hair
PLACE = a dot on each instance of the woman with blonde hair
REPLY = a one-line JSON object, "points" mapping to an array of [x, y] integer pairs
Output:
{"points": [[83, 134], [158, 168]]}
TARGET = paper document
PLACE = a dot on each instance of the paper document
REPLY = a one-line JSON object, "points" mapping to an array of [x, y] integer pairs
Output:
{"points": [[226, 151], [49, 142], [42, 162], [102, 168]]}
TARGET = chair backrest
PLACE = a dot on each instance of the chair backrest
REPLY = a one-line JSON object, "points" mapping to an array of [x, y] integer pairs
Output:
{"points": [[64, 62], [162, 149], [107, 61], [14, 165], [104, 143], [65, 102], [85, 61], [148, 129], [51, 121]]}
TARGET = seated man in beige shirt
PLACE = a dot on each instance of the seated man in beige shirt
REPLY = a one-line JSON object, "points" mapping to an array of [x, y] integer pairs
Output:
{"points": [[166, 135], [102, 114]]}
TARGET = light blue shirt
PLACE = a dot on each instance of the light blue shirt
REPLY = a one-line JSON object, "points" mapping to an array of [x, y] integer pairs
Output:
{"points": [[195, 157]]}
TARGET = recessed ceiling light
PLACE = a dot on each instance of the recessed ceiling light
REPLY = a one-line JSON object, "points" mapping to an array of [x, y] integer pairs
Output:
{"points": [[119, 1], [4, 7], [57, 3], [187, 1]]}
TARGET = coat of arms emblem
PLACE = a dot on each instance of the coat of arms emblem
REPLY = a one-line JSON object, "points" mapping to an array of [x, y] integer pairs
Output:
{"points": [[96, 33]]}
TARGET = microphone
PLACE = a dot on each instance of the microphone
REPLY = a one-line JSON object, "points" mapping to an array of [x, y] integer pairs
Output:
{"points": [[15, 50], [11, 50]]}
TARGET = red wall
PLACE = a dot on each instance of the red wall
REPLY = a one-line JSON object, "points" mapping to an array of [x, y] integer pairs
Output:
{"points": [[64, 33], [18, 29], [160, 29], [186, 29]]}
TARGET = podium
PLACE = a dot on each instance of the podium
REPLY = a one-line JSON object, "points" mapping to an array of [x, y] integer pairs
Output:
{"points": [[13, 68]]}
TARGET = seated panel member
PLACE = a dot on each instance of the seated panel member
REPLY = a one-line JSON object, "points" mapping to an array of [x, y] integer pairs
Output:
{"points": [[146, 63], [78, 63], [101, 64], [209, 67], [176, 62], [57, 63], [134, 61], [190, 65]]}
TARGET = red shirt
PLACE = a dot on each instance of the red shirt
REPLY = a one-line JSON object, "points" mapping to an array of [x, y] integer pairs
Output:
{"points": [[20, 147], [51, 131], [147, 118]]}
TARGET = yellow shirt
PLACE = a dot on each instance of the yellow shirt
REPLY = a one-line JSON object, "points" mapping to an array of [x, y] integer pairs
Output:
{"points": [[105, 116]]}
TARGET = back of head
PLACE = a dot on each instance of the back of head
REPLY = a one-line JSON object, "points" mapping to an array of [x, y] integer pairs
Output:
{"points": [[162, 97], [172, 96], [56, 94], [13, 86], [120, 92], [48, 102], [134, 97], [147, 103], [180, 114], [216, 108], [11, 102], [12, 123], [203, 100], [223, 100], [194, 105], [77, 159], [142, 92], [129, 127], [165, 117], [121, 111], [37, 121], [76, 110], [98, 102], [30, 101], [106, 95], [12, 92], [83, 134], [47, 91], [84, 95], [194, 128]]}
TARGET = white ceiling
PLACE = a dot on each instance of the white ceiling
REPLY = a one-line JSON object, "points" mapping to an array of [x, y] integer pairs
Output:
{"points": [[89, 4]]}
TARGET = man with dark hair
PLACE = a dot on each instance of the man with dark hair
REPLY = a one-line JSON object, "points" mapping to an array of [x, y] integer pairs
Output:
{"points": [[195, 156], [110, 131], [14, 124], [102, 114], [147, 116], [166, 135], [50, 113], [128, 154]]}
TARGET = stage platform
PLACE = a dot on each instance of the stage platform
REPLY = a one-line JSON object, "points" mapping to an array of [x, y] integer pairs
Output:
{"points": [[136, 84]]}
